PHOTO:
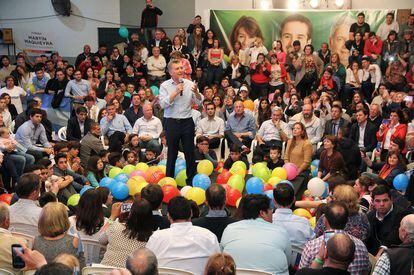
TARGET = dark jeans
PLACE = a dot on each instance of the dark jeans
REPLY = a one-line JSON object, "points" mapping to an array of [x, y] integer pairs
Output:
{"points": [[214, 143], [300, 183], [116, 140], [232, 139], [305, 85], [214, 74], [36, 154], [176, 131], [367, 87], [259, 90]]}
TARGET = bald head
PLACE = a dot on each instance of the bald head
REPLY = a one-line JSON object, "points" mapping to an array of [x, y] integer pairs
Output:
{"points": [[407, 228], [341, 249], [142, 262], [147, 110]]}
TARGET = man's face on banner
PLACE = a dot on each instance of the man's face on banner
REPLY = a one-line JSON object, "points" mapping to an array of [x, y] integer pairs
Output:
{"points": [[337, 43], [295, 30]]}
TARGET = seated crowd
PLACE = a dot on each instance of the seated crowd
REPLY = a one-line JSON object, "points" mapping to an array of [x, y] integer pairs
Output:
{"points": [[357, 119]]}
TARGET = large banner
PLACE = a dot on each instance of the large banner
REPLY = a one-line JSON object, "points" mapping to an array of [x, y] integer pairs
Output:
{"points": [[312, 27], [35, 42]]}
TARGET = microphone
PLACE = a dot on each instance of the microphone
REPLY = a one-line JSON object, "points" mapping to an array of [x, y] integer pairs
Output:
{"points": [[181, 81]]}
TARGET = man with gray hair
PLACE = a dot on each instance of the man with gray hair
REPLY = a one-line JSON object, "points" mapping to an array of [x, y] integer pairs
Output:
{"points": [[148, 128], [6, 239], [398, 259], [142, 262]]}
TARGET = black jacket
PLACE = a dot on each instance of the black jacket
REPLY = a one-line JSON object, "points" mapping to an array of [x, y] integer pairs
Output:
{"points": [[149, 17], [165, 46], [352, 157], [132, 116], [215, 224], [370, 138], [342, 123], [73, 131]]}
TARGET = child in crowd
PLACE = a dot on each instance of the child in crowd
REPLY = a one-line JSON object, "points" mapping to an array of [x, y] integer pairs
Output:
{"points": [[73, 157], [235, 155], [114, 160], [164, 151], [95, 170], [151, 157], [274, 159], [130, 157], [104, 155], [106, 199]]}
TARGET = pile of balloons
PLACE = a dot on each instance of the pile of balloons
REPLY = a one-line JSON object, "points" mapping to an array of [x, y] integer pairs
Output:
{"points": [[314, 167], [317, 187], [305, 213]]}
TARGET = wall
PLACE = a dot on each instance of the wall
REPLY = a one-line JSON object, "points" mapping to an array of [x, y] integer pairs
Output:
{"points": [[176, 13], [68, 33]]}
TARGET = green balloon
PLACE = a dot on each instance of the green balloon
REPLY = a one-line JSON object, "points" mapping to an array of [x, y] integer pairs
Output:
{"points": [[128, 169], [115, 171], [263, 173], [258, 166], [236, 182], [73, 200], [181, 178], [241, 164]]}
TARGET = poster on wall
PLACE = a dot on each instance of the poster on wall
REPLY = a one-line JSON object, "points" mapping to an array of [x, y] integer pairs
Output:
{"points": [[35, 42], [309, 27]]}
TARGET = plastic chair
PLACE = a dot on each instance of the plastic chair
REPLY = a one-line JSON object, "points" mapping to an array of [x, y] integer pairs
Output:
{"points": [[173, 271], [245, 271], [5, 272], [92, 251], [29, 239], [91, 270], [62, 134]]}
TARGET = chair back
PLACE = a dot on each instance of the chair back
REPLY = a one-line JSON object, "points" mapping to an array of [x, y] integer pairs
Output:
{"points": [[29, 239], [6, 272], [173, 271], [92, 270], [62, 134]]}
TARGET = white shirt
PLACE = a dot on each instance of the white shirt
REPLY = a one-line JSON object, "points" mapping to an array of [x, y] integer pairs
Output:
{"points": [[384, 29], [7, 120], [362, 128], [183, 246], [350, 77], [214, 126], [268, 130], [15, 95], [24, 217], [156, 66], [375, 72], [151, 127]]}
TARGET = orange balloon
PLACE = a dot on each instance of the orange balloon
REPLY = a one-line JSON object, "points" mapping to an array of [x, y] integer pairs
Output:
{"points": [[248, 104]]}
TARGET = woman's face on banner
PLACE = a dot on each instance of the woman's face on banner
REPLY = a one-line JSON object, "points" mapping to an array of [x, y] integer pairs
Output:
{"points": [[245, 40]]}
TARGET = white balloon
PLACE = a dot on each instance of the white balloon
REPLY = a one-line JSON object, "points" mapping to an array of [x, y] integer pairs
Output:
{"points": [[316, 187], [185, 189]]}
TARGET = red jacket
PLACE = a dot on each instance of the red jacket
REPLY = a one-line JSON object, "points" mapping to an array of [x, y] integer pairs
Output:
{"points": [[259, 75], [370, 48], [400, 132]]}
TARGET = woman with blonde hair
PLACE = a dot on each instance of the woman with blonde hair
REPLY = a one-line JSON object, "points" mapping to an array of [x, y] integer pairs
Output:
{"points": [[54, 239], [68, 260], [220, 264], [358, 224]]}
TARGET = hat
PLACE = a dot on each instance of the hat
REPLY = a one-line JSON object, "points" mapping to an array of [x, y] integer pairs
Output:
{"points": [[243, 88]]}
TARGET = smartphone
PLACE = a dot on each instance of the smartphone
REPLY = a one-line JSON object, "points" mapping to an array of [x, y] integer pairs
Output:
{"points": [[126, 207], [16, 259], [327, 235], [385, 121]]}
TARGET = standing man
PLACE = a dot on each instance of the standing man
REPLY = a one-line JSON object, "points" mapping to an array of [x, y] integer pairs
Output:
{"points": [[77, 89], [149, 20], [176, 97]]}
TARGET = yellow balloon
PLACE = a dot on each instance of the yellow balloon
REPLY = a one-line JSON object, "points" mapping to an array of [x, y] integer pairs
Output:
{"points": [[196, 194], [238, 170], [302, 213], [240, 163], [274, 180], [279, 172], [163, 168], [312, 222], [238, 202], [205, 167], [167, 181], [135, 185], [142, 166]]}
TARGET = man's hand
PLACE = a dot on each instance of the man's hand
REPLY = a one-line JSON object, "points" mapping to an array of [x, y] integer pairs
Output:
{"points": [[78, 97], [9, 147], [49, 151], [238, 135], [116, 210], [33, 259], [194, 89]]}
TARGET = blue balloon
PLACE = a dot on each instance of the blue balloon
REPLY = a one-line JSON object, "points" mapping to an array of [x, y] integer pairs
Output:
{"points": [[269, 194], [120, 191], [315, 163], [84, 189], [163, 162], [326, 192], [288, 182], [178, 169], [155, 90], [314, 172], [401, 182], [123, 32], [202, 181], [254, 186], [106, 182], [121, 178], [180, 162]]}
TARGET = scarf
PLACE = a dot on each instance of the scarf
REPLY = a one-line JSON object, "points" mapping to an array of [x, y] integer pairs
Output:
{"points": [[234, 70], [385, 171]]}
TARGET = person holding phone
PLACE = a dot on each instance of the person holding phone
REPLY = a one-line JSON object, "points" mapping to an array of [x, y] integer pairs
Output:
{"points": [[8, 241], [390, 129]]}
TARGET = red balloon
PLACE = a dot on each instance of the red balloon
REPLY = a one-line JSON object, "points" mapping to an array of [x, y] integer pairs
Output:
{"points": [[154, 177], [223, 177], [220, 164], [170, 192], [6, 198], [232, 195], [267, 187]]}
